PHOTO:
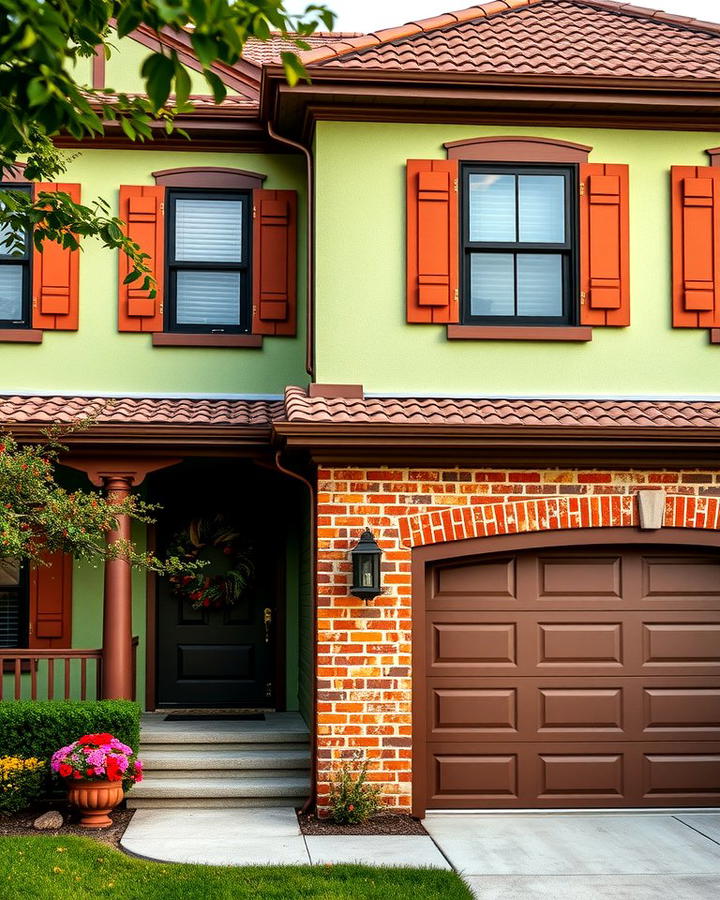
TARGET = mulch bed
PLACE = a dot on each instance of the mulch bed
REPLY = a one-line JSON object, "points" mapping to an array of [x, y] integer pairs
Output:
{"points": [[388, 823], [21, 825]]}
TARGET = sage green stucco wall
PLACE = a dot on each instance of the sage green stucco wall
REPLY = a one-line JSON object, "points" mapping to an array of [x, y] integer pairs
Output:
{"points": [[362, 336], [97, 358]]}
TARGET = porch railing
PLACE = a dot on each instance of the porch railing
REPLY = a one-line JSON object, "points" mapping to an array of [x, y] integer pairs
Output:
{"points": [[59, 674]]}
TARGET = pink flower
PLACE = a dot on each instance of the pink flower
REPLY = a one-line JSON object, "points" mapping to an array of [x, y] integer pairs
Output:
{"points": [[98, 770]]}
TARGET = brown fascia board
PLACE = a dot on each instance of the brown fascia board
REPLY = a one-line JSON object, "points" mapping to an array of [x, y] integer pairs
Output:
{"points": [[498, 444], [192, 438], [402, 95]]}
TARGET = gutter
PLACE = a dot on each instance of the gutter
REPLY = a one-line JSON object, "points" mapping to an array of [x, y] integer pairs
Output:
{"points": [[310, 239], [313, 612]]}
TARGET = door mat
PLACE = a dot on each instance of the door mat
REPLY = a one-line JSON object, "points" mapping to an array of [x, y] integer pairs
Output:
{"points": [[214, 717]]}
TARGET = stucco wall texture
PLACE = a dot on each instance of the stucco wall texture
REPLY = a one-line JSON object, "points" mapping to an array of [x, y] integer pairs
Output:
{"points": [[362, 335]]}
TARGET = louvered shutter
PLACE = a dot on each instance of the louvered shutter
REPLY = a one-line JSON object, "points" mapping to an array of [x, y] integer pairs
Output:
{"points": [[432, 241], [142, 208], [55, 275], [274, 289], [51, 602], [696, 246], [604, 245]]}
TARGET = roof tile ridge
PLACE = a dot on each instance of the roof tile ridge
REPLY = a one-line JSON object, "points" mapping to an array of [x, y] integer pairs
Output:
{"points": [[409, 29], [296, 402], [658, 15]]}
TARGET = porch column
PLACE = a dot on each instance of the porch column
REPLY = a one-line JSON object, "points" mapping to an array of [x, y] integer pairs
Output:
{"points": [[117, 666]]}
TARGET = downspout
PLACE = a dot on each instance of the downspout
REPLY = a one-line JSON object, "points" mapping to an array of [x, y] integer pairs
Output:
{"points": [[310, 238], [313, 612]]}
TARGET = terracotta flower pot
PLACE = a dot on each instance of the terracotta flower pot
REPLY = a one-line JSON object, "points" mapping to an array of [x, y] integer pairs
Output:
{"points": [[95, 799]]}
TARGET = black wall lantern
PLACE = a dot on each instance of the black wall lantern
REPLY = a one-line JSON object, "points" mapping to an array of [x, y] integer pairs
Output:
{"points": [[366, 557]]}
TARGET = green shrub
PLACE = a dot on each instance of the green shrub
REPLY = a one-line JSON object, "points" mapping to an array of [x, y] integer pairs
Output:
{"points": [[21, 782], [352, 799], [37, 728]]}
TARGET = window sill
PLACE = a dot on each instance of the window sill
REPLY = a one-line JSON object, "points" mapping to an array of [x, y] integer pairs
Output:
{"points": [[175, 339], [21, 335], [519, 333]]}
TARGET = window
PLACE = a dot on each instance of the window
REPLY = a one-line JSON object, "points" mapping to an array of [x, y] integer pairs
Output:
{"points": [[15, 258], [519, 262], [208, 262], [13, 604]]}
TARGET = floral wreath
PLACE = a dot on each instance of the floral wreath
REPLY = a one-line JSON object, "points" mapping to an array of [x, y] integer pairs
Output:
{"points": [[215, 591]]}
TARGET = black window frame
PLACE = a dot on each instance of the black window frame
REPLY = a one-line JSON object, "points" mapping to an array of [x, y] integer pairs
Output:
{"points": [[26, 262], [569, 249], [22, 591], [173, 266]]}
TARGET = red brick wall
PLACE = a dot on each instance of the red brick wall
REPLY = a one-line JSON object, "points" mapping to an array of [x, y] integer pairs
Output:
{"points": [[364, 652]]}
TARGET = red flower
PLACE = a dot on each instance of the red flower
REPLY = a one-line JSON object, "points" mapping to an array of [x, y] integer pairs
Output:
{"points": [[77, 776], [351, 808], [102, 738], [112, 769], [227, 550], [65, 770], [206, 601], [138, 775]]}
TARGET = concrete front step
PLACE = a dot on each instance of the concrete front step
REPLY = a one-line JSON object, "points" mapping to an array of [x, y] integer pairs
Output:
{"points": [[211, 792], [180, 758], [234, 746]]}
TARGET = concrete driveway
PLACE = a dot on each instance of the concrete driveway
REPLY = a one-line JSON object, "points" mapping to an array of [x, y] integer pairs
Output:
{"points": [[640, 856]]}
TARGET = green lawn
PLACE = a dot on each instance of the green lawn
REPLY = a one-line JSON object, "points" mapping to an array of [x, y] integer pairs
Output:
{"points": [[53, 868]]}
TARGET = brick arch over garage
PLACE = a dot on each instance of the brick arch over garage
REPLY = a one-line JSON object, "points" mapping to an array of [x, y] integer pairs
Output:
{"points": [[549, 514], [529, 526]]}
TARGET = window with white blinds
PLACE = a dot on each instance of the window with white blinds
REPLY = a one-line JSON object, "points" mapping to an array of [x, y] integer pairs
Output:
{"points": [[14, 273], [13, 604], [208, 261], [518, 245]]}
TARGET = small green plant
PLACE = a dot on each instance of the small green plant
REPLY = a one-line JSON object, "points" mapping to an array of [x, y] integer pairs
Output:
{"points": [[352, 799], [21, 782]]}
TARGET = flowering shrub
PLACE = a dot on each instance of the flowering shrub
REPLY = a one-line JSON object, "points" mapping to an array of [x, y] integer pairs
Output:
{"points": [[352, 799], [95, 757], [20, 782]]}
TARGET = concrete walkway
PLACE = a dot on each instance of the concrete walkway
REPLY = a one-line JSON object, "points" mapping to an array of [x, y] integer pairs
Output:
{"points": [[583, 856], [266, 836], [577, 856]]}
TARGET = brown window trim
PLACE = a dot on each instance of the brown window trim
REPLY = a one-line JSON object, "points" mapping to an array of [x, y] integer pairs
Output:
{"points": [[577, 333], [210, 177], [517, 150], [714, 154], [21, 336], [177, 339], [715, 335], [15, 174]]}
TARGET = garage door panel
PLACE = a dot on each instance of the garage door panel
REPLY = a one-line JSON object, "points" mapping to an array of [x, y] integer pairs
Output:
{"points": [[586, 678], [492, 581], [689, 776], [571, 775], [459, 643], [580, 776], [590, 579], [681, 644], [681, 579]]}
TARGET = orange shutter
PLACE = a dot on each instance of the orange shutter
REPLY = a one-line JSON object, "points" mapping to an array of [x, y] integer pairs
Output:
{"points": [[604, 245], [55, 275], [142, 208], [51, 602], [274, 267], [696, 246], [433, 248]]}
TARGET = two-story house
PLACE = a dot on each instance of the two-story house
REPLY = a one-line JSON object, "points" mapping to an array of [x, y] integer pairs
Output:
{"points": [[461, 289]]}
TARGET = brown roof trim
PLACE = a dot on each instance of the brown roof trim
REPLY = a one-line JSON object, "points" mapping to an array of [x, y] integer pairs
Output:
{"points": [[501, 148], [209, 176], [503, 445]]}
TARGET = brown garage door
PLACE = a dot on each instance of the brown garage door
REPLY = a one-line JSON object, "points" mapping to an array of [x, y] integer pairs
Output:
{"points": [[574, 678]]}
